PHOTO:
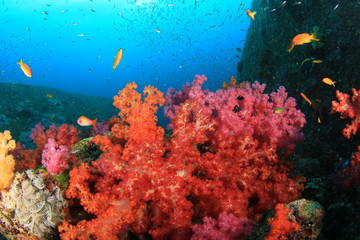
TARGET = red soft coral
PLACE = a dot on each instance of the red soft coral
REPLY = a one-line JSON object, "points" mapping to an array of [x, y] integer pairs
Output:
{"points": [[352, 173], [280, 226]]}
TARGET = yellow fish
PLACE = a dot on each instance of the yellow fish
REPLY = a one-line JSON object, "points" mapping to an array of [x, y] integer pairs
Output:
{"points": [[317, 61], [117, 59], [279, 110], [328, 81], [25, 68]]}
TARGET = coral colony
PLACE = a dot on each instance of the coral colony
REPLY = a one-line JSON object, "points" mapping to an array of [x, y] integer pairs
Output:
{"points": [[215, 175]]}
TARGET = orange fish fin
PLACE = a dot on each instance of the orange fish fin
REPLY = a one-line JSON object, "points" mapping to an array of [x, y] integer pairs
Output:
{"points": [[313, 37], [94, 123], [291, 48]]}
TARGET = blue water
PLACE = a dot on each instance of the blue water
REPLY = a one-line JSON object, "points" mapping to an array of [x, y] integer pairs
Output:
{"points": [[197, 37]]}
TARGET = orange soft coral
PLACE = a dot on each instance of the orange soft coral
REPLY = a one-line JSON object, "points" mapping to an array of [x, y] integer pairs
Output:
{"points": [[7, 162], [138, 111]]}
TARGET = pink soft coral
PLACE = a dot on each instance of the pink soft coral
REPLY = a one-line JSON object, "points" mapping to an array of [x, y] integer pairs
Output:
{"points": [[227, 227], [243, 112], [348, 108], [55, 157]]}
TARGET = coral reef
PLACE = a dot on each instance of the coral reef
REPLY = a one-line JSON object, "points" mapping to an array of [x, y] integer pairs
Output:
{"points": [[147, 183], [221, 169]]}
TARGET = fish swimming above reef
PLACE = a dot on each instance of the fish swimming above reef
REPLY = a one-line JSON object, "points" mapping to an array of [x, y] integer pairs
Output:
{"points": [[301, 39], [308, 64], [328, 81], [117, 59], [305, 98], [251, 14], [25, 68], [85, 122]]}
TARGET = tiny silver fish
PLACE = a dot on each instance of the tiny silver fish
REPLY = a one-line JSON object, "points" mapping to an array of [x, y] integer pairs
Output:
{"points": [[282, 4]]}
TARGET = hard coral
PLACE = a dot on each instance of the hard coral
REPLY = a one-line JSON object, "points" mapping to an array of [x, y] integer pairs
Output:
{"points": [[348, 108], [35, 207], [309, 215]]}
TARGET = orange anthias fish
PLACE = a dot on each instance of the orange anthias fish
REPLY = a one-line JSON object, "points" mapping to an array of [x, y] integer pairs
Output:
{"points": [[117, 59], [25, 68], [301, 39], [85, 122], [251, 14], [328, 81], [306, 98]]}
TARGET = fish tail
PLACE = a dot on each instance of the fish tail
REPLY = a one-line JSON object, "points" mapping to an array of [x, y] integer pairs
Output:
{"points": [[113, 68], [291, 48], [94, 123], [313, 37], [20, 61]]}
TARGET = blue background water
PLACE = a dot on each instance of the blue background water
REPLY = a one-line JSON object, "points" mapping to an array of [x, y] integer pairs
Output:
{"points": [[197, 37]]}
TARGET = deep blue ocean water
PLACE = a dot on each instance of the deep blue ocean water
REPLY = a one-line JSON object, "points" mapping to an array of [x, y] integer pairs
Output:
{"points": [[71, 44]]}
